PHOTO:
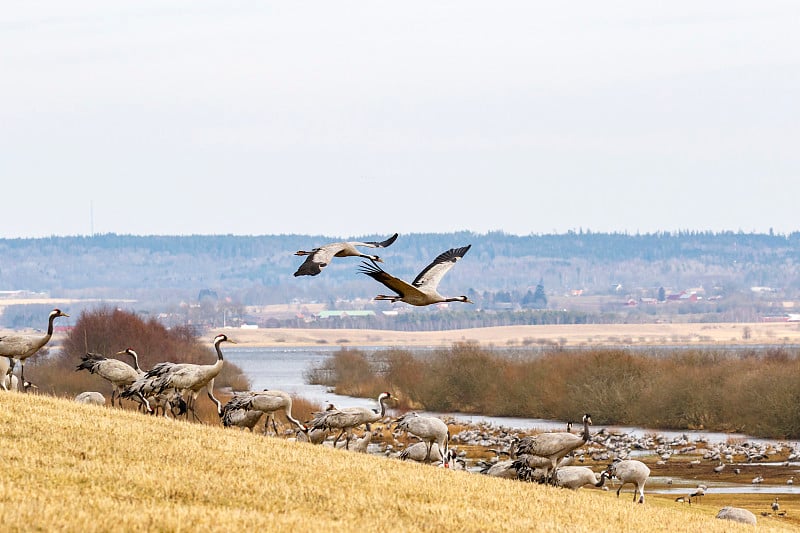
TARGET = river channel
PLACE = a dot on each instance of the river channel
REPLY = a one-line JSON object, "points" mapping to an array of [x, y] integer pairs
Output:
{"points": [[284, 368]]}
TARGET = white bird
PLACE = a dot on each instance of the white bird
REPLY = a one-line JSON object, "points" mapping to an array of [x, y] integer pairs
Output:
{"points": [[319, 258], [719, 468], [182, 377], [790, 481], [554, 446], [91, 398], [758, 479], [775, 505], [422, 291], [268, 401], [428, 429], [21, 347], [120, 374], [630, 471], [348, 418]]}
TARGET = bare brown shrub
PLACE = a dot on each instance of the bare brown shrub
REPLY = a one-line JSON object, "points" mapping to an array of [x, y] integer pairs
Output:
{"points": [[107, 331], [753, 392]]}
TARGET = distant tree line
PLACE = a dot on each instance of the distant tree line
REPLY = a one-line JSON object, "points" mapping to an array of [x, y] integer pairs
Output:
{"points": [[165, 274]]}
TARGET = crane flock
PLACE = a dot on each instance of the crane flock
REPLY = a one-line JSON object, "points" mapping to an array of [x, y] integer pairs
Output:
{"points": [[175, 387]]}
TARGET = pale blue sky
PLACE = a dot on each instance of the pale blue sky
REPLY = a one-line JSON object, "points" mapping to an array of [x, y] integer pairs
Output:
{"points": [[354, 118]]}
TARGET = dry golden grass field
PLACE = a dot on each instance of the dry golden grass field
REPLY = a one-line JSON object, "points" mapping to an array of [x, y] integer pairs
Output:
{"points": [[567, 335], [73, 467]]}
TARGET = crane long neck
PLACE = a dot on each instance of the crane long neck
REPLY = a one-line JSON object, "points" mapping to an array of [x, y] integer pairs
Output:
{"points": [[383, 406], [136, 362], [585, 430], [50, 326], [219, 350]]}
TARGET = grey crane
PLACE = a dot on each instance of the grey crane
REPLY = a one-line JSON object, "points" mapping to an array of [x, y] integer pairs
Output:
{"points": [[636, 472], [267, 401], [428, 429], [184, 377], [532, 467], [347, 418], [21, 347], [169, 401], [319, 258], [423, 290], [419, 451], [504, 469], [233, 416], [5, 373], [91, 398], [120, 374], [575, 477], [775, 505], [362, 444], [554, 446]]}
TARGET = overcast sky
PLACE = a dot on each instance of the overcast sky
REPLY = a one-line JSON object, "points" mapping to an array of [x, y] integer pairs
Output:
{"points": [[360, 118]]}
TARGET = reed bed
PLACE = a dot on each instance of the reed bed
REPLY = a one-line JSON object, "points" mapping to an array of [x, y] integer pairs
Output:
{"points": [[72, 467]]}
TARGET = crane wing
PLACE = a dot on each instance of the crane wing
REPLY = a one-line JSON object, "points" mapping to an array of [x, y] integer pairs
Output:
{"points": [[399, 286], [382, 244], [433, 273], [319, 259]]}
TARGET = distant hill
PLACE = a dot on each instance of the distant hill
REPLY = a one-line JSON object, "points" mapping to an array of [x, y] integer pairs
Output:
{"points": [[500, 269]]}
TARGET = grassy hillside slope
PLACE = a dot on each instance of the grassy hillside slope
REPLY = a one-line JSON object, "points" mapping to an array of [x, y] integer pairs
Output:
{"points": [[71, 467]]}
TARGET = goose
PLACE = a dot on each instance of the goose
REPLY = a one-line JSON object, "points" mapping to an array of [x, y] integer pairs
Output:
{"points": [[23, 346], [422, 291], [347, 418], [554, 446], [428, 429], [319, 258]]}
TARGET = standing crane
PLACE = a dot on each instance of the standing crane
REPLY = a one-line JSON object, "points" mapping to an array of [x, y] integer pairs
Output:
{"points": [[120, 374], [348, 418], [23, 346], [268, 401], [554, 446], [185, 377], [428, 429], [422, 291], [319, 258]]}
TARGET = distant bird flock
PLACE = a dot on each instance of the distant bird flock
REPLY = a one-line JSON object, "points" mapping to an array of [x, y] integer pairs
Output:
{"points": [[172, 389]]}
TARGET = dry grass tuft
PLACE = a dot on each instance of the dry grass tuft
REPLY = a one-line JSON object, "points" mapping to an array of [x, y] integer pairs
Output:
{"points": [[83, 468]]}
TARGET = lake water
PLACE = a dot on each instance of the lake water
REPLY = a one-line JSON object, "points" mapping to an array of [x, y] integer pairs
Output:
{"points": [[284, 368]]}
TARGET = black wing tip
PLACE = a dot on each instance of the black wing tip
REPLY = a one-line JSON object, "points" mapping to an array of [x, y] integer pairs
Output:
{"points": [[369, 268], [390, 240]]}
